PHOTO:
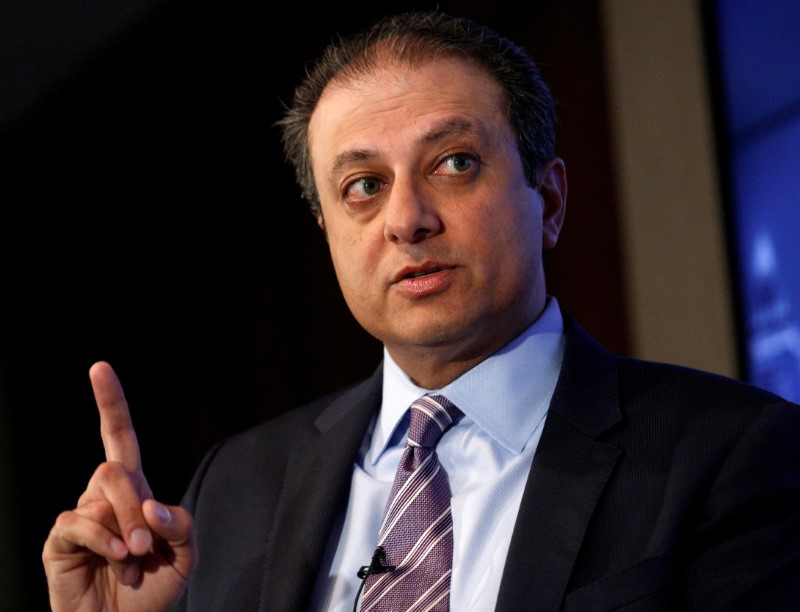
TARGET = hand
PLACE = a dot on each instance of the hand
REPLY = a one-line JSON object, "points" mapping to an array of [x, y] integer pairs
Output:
{"points": [[119, 549]]}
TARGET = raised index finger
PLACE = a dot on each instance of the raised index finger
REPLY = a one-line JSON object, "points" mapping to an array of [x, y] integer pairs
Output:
{"points": [[116, 427]]}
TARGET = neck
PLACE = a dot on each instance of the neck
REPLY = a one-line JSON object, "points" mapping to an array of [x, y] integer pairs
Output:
{"points": [[428, 372], [433, 367]]}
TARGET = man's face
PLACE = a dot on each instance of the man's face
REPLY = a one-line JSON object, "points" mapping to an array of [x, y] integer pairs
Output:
{"points": [[435, 235]]}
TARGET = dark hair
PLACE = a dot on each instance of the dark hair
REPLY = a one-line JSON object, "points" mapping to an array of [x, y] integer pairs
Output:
{"points": [[414, 39]]}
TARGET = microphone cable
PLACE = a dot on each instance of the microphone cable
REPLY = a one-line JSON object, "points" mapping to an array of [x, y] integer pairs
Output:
{"points": [[365, 571]]}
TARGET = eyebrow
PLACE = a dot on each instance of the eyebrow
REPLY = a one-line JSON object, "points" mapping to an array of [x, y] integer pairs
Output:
{"points": [[440, 132], [348, 157], [450, 127]]}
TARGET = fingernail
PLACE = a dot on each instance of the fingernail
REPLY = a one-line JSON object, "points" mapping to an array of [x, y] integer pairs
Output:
{"points": [[163, 513], [118, 547], [141, 540]]}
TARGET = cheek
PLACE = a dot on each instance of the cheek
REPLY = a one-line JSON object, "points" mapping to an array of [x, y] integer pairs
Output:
{"points": [[525, 224], [513, 233], [352, 259], [343, 263], [515, 244]]}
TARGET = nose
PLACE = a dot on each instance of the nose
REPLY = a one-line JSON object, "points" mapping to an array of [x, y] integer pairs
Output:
{"points": [[410, 216]]}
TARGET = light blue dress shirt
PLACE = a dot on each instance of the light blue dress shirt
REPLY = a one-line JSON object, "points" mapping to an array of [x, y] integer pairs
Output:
{"points": [[487, 456]]}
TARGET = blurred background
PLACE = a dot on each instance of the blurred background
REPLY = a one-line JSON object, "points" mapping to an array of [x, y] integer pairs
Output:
{"points": [[149, 218]]}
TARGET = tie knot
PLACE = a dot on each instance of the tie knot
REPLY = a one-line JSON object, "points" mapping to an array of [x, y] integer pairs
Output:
{"points": [[431, 416]]}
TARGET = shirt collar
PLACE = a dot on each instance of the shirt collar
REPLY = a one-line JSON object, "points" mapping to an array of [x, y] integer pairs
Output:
{"points": [[507, 395]]}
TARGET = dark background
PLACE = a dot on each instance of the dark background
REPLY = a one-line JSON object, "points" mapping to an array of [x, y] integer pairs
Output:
{"points": [[149, 219]]}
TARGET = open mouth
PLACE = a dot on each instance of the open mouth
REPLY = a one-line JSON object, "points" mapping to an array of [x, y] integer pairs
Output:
{"points": [[413, 275], [422, 273]]}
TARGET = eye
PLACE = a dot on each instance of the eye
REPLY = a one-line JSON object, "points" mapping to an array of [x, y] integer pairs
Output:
{"points": [[362, 189], [458, 163]]}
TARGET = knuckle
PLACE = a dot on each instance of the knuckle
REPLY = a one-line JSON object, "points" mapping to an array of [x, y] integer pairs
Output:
{"points": [[63, 521], [109, 471]]}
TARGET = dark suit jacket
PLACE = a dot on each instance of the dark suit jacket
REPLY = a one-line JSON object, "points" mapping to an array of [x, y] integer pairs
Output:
{"points": [[654, 487]]}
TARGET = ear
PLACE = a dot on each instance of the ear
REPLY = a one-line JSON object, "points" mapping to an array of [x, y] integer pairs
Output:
{"points": [[321, 223], [553, 187]]}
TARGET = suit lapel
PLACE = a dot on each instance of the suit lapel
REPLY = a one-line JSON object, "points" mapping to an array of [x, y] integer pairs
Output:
{"points": [[570, 470], [316, 484]]}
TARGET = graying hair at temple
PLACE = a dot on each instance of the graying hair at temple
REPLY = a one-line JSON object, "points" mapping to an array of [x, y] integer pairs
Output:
{"points": [[414, 39]]}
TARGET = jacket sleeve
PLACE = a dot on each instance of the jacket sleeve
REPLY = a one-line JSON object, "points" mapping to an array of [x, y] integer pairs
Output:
{"points": [[744, 553]]}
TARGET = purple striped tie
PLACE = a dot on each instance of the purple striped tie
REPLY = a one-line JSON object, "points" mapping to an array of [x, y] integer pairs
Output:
{"points": [[417, 529]]}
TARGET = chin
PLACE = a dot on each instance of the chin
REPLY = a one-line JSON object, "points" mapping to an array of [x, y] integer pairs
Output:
{"points": [[430, 334]]}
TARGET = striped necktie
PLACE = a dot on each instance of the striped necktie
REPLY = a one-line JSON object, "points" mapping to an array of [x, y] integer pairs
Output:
{"points": [[417, 529]]}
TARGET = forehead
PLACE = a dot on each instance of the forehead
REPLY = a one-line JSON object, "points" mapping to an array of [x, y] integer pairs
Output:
{"points": [[393, 102]]}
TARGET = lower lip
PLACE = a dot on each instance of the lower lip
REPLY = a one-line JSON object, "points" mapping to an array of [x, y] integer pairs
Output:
{"points": [[425, 285]]}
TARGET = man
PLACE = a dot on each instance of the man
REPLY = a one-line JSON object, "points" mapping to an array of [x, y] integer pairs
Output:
{"points": [[577, 480]]}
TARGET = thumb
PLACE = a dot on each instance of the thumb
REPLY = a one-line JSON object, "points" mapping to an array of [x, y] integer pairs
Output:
{"points": [[173, 526]]}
